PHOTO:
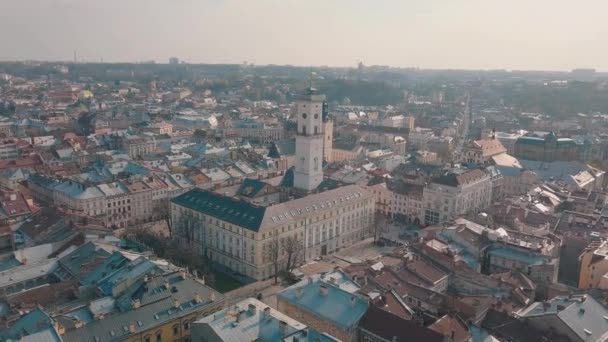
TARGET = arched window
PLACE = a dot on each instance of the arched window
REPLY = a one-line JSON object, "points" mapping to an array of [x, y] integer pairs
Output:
{"points": [[316, 129], [159, 336], [316, 164]]}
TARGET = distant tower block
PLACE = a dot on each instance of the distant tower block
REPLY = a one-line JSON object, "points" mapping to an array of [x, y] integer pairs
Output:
{"points": [[308, 173]]}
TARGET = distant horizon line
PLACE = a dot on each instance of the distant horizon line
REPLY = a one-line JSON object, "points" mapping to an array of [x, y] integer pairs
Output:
{"points": [[183, 63]]}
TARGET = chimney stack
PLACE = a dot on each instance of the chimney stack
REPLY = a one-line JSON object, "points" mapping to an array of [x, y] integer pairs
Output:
{"points": [[135, 303], [283, 328], [323, 290], [353, 302], [266, 312], [131, 327], [251, 309], [176, 304], [197, 298], [240, 316]]}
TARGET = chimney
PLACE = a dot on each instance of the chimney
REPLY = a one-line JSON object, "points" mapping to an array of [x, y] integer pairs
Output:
{"points": [[212, 296], [183, 274], [252, 309], [323, 290], [240, 316], [135, 303], [283, 328], [353, 302], [266, 312], [176, 303], [197, 298], [131, 327]]}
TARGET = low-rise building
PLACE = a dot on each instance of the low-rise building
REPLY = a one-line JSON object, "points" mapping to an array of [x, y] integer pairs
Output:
{"points": [[324, 307], [456, 194], [252, 320], [576, 318], [481, 151]]}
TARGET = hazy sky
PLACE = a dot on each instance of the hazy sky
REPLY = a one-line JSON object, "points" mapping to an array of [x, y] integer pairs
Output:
{"points": [[509, 34]]}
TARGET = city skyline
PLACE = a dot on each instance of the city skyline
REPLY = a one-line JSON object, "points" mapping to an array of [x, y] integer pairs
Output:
{"points": [[434, 34]]}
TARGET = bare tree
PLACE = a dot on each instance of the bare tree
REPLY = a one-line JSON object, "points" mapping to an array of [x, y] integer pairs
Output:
{"points": [[292, 247], [273, 253]]}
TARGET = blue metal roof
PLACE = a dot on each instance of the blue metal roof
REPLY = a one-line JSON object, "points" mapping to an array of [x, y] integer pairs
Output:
{"points": [[336, 306]]}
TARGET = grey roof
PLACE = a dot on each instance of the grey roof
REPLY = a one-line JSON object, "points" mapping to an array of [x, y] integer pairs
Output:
{"points": [[584, 315], [146, 317], [282, 148], [253, 325]]}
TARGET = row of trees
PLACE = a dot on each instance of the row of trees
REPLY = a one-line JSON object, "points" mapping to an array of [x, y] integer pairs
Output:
{"points": [[285, 254], [169, 249]]}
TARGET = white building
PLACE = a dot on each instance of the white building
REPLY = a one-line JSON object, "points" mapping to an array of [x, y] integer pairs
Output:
{"points": [[239, 235], [457, 194], [309, 141]]}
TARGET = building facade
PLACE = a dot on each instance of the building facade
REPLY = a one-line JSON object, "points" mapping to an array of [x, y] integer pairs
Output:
{"points": [[549, 148], [240, 235], [456, 194]]}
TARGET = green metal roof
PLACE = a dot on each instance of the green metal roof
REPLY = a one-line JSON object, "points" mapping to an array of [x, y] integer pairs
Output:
{"points": [[563, 142], [225, 208], [288, 178], [250, 187], [531, 141]]}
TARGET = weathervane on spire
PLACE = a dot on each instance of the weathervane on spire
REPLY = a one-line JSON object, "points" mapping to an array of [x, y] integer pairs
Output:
{"points": [[311, 76]]}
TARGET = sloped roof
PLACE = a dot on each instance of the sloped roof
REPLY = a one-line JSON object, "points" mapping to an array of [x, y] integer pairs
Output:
{"points": [[282, 148], [338, 306], [225, 208], [251, 187], [388, 325]]}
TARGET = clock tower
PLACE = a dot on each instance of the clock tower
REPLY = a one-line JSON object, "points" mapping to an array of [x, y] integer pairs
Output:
{"points": [[308, 173]]}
